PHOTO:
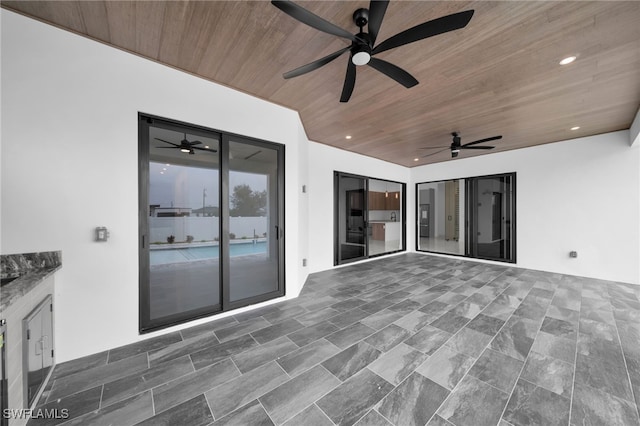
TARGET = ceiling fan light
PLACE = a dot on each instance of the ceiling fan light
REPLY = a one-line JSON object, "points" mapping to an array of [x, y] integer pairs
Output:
{"points": [[185, 150], [567, 60], [361, 58], [455, 150]]}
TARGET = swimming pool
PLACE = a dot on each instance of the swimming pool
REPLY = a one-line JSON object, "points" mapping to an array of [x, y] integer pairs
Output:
{"points": [[186, 254]]}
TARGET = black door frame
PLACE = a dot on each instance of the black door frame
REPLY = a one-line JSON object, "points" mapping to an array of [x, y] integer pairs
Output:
{"points": [[146, 324]]}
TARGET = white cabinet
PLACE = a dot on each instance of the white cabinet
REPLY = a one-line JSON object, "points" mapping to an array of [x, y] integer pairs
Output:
{"points": [[37, 348]]}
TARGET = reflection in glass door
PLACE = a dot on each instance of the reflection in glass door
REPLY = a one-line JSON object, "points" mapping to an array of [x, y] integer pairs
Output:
{"points": [[211, 222], [492, 217], [351, 207], [255, 230]]}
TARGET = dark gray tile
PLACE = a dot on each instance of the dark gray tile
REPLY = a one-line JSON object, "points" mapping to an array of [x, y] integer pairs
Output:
{"points": [[451, 298], [182, 348], [127, 412], [533, 308], [309, 334], [414, 321], [208, 327], [306, 357], [91, 378], [604, 374], [473, 403], [398, 363], [315, 317], [533, 405], [446, 367], [352, 399], [216, 353], [435, 309], [127, 351], [251, 414], [629, 333], [556, 347], [559, 328], [291, 397], [347, 336], [439, 421], [549, 373], [128, 386], [388, 337], [194, 412], [311, 416], [563, 314], [467, 309], [497, 369], [516, 337], [351, 360], [406, 306], [74, 366], [186, 387], [377, 305], [599, 340], [486, 324], [381, 319], [428, 339], [594, 407], [244, 389], [469, 342], [284, 313], [499, 310], [413, 402], [450, 322], [245, 327], [262, 354], [373, 418], [347, 318], [78, 404], [277, 330], [542, 293]]}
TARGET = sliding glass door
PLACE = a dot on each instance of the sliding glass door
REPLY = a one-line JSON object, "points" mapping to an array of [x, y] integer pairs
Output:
{"points": [[491, 209], [211, 222], [369, 217], [472, 217]]}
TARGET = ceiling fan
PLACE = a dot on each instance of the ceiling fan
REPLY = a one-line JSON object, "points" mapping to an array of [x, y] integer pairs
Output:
{"points": [[455, 146], [363, 45], [185, 146]]}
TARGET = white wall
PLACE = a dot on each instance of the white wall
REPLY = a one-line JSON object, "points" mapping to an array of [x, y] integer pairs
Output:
{"points": [[69, 164], [581, 194], [326, 160]]}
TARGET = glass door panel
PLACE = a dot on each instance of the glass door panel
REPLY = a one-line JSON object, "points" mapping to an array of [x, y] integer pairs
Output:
{"points": [[491, 211], [351, 232], [255, 229], [385, 230], [181, 244], [440, 224]]}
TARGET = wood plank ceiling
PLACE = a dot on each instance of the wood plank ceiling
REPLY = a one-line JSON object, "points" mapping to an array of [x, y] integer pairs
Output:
{"points": [[499, 75]]}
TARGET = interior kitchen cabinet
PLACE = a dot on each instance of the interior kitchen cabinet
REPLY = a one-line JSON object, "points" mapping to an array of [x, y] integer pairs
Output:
{"points": [[37, 348], [392, 201], [384, 201], [377, 232]]}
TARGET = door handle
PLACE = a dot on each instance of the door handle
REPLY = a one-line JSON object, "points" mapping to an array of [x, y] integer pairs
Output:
{"points": [[279, 232]]}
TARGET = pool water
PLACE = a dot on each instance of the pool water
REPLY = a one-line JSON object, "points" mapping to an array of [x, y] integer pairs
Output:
{"points": [[159, 257]]}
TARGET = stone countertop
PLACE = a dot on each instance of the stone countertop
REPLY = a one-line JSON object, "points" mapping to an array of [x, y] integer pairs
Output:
{"points": [[30, 269]]}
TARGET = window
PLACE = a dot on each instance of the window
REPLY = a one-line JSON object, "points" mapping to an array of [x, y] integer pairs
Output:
{"points": [[472, 217], [211, 222], [369, 217]]}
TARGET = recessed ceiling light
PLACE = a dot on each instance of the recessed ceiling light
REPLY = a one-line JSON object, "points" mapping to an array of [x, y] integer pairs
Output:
{"points": [[575, 127], [168, 164], [416, 159], [567, 60], [348, 137]]}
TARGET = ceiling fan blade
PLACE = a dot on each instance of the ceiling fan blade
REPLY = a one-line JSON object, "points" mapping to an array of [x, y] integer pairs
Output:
{"points": [[312, 20], [168, 147], [434, 147], [171, 143], [315, 64], [396, 73], [204, 149], [425, 30], [475, 147], [483, 140], [435, 153], [349, 82], [377, 10]]}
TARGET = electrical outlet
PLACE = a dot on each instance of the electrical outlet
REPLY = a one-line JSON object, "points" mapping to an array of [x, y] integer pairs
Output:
{"points": [[304, 262], [573, 254]]}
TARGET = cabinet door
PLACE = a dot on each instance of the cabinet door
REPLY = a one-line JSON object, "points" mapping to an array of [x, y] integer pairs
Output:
{"points": [[393, 201], [378, 231]]}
